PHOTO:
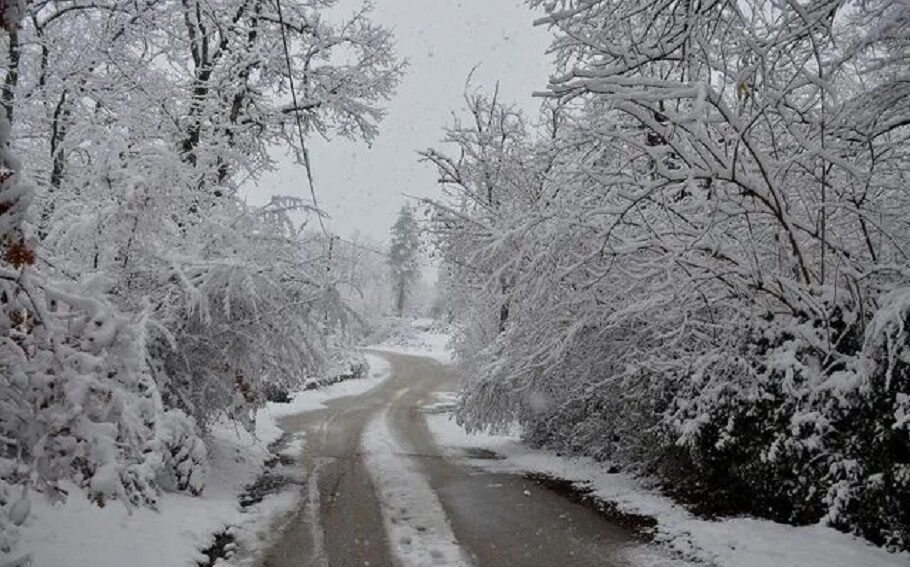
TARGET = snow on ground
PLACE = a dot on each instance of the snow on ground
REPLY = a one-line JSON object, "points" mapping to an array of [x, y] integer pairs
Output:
{"points": [[77, 533], [419, 337], [419, 533], [732, 542]]}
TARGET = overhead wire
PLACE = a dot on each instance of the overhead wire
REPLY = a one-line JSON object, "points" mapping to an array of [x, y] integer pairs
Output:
{"points": [[303, 147]]}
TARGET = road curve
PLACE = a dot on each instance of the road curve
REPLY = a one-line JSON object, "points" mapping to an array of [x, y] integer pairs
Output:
{"points": [[497, 519]]}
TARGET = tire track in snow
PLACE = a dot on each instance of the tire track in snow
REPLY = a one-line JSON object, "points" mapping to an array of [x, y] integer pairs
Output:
{"points": [[418, 530], [313, 506]]}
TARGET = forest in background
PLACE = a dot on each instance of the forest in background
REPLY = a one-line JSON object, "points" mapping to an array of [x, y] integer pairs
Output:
{"points": [[694, 263]]}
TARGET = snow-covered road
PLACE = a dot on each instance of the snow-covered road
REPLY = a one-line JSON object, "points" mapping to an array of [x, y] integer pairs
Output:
{"points": [[383, 493]]}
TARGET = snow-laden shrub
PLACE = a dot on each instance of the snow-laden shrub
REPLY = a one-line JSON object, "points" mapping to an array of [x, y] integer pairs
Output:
{"points": [[868, 409], [80, 403], [802, 431]]}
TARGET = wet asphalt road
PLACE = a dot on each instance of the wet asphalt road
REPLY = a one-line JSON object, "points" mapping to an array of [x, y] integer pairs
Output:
{"points": [[498, 519]]}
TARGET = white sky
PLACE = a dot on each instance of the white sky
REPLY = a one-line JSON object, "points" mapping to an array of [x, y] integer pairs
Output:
{"points": [[361, 187]]}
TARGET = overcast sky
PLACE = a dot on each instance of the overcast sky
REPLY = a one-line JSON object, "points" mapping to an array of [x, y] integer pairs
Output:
{"points": [[361, 187]]}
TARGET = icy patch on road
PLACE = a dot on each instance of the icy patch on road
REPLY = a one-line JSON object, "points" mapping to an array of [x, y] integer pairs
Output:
{"points": [[418, 530], [731, 542]]}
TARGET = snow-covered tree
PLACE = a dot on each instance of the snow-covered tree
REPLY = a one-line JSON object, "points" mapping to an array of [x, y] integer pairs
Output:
{"points": [[142, 298], [701, 252], [404, 258]]}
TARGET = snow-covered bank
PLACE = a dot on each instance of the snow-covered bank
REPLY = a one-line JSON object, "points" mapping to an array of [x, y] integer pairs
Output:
{"points": [[731, 542], [420, 337], [76, 533], [311, 400], [79, 534]]}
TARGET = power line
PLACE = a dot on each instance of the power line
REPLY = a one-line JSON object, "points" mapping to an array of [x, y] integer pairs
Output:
{"points": [[303, 148]]}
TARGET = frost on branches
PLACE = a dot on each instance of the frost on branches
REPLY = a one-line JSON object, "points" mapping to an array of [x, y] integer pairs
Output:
{"points": [[695, 264], [141, 298]]}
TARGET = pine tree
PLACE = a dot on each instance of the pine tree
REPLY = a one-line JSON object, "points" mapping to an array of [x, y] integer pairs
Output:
{"points": [[403, 254]]}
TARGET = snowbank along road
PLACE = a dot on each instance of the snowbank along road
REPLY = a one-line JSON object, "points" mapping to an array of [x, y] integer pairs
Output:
{"points": [[380, 492]]}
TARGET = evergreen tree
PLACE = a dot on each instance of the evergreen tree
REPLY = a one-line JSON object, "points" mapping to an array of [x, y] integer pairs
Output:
{"points": [[403, 254]]}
